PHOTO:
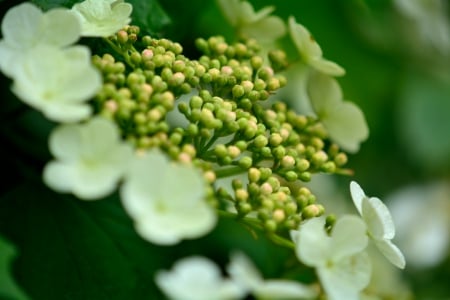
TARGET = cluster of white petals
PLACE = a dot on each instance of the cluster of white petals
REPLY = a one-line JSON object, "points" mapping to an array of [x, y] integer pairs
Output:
{"points": [[342, 265], [102, 18], [380, 226], [58, 82], [242, 270], [25, 26], [90, 159], [250, 24], [166, 200], [48, 72], [197, 278]]}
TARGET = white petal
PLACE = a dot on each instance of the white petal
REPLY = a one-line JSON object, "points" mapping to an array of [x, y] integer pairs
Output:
{"points": [[324, 92], [230, 10], [346, 278], [67, 113], [62, 28], [21, 24], [196, 278], [346, 125], [58, 176], [101, 135], [9, 60], [358, 195], [313, 244], [348, 237], [95, 181], [243, 271], [267, 29], [392, 253], [327, 67], [378, 219], [284, 289], [65, 142], [304, 41]]}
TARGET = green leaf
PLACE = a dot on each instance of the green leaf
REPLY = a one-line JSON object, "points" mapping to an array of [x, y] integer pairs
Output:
{"points": [[8, 287], [149, 16], [49, 4], [70, 249]]}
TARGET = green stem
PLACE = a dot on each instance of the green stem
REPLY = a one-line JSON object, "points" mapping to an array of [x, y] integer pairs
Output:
{"points": [[256, 224], [120, 51], [209, 144], [226, 172]]}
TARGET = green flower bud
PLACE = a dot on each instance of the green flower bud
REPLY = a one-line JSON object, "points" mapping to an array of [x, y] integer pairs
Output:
{"points": [[245, 162], [254, 175], [236, 184], [196, 102], [260, 141], [270, 225], [328, 167], [291, 208], [220, 150], [312, 211], [340, 159], [244, 208], [266, 152], [278, 215], [238, 91], [291, 176], [319, 158], [265, 173], [279, 152], [302, 164], [241, 195], [305, 176], [192, 130]]}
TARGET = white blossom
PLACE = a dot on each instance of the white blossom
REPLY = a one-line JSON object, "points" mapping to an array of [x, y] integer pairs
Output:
{"points": [[380, 226], [250, 24], [242, 271], [310, 51], [343, 120], [90, 159], [102, 18], [25, 26], [197, 278], [58, 82], [166, 201], [341, 263]]}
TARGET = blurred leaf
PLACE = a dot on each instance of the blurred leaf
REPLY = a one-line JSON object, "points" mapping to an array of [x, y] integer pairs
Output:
{"points": [[423, 120], [8, 287], [49, 4], [64, 253], [149, 16]]}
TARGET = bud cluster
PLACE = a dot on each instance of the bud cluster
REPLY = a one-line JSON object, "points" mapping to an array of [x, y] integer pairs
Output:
{"points": [[231, 128]]}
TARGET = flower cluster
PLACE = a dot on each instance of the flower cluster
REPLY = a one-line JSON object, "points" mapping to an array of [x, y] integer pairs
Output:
{"points": [[164, 129]]}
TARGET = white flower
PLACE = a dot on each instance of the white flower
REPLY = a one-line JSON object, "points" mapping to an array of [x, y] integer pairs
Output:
{"points": [[166, 201], [344, 120], [90, 159], [102, 18], [58, 82], [25, 26], [245, 273], [310, 52], [250, 24], [197, 278], [380, 226], [343, 267]]}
